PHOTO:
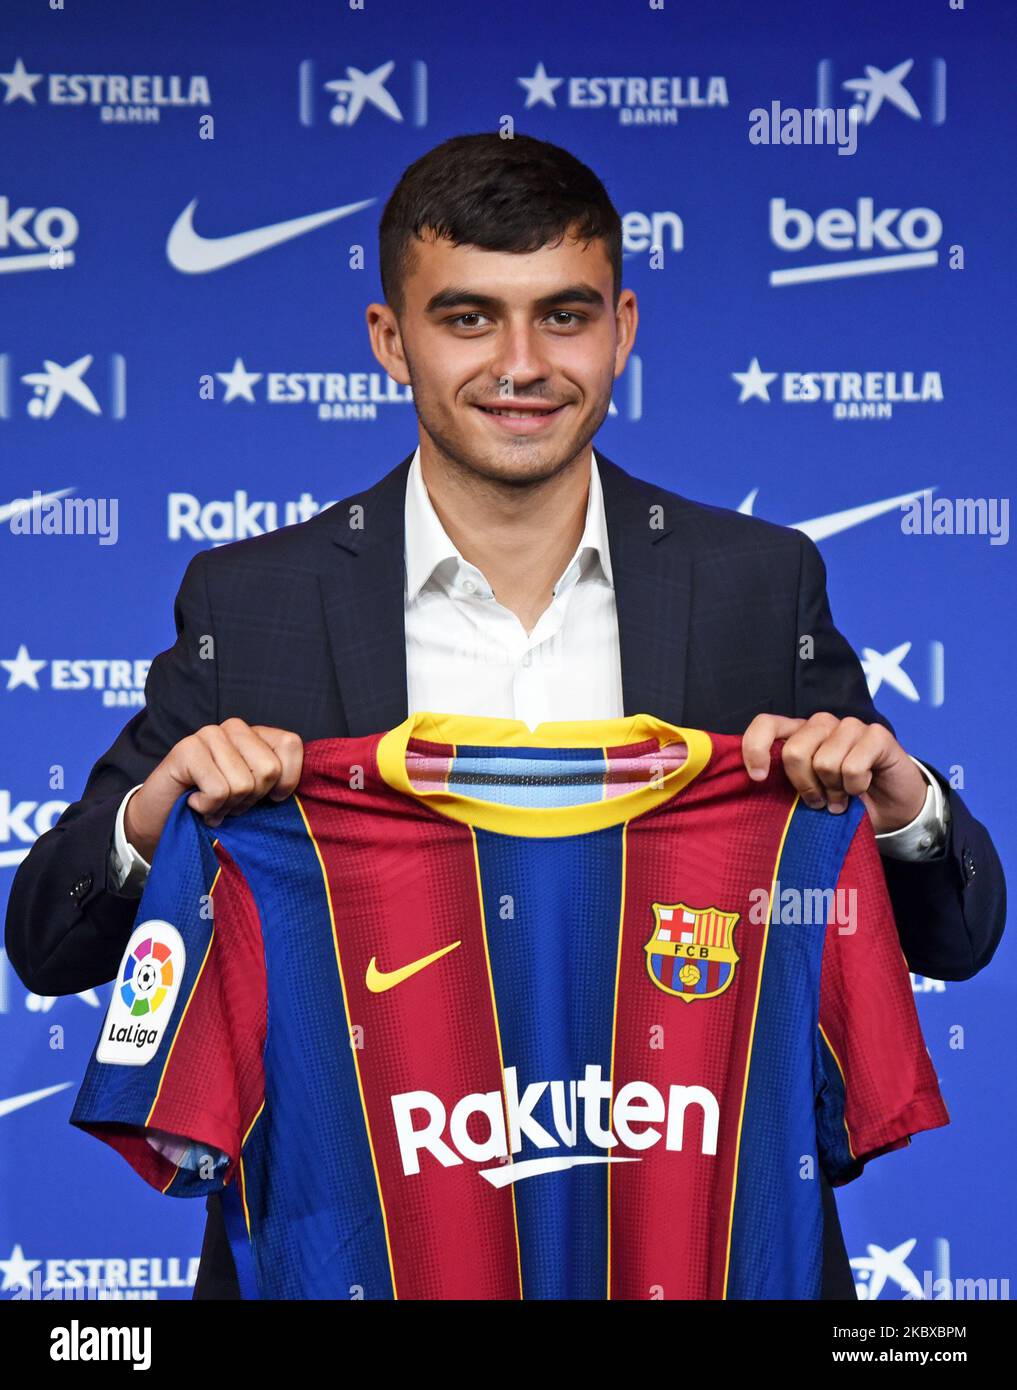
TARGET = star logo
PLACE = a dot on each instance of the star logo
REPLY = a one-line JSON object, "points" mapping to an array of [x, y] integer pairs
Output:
{"points": [[239, 382], [17, 1271], [754, 383], [540, 87], [20, 83], [22, 670]]}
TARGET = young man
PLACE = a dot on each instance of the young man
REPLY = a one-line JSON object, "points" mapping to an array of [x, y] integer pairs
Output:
{"points": [[503, 569]]}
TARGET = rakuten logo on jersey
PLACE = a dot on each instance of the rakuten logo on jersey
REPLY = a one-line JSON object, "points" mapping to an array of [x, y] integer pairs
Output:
{"points": [[907, 237], [641, 1117]]}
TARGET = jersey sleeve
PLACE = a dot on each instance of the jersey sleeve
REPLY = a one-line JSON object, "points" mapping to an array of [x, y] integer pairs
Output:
{"points": [[176, 1080], [875, 1082]]}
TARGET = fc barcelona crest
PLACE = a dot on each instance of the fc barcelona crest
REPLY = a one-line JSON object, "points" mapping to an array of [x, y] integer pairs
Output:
{"points": [[690, 953]]}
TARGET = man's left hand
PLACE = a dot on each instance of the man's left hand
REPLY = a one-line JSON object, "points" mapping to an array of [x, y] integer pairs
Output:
{"points": [[829, 759]]}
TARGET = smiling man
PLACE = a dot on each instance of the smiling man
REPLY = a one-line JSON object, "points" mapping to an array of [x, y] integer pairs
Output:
{"points": [[505, 568]]}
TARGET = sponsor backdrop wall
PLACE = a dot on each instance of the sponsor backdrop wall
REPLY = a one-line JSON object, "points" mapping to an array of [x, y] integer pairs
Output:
{"points": [[823, 334]]}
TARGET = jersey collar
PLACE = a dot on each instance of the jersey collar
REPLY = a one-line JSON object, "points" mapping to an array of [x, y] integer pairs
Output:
{"points": [[542, 821]]}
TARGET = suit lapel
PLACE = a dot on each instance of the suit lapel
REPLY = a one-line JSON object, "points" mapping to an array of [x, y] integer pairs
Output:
{"points": [[653, 591], [363, 594]]}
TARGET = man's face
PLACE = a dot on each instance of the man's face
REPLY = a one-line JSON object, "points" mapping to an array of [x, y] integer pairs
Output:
{"points": [[511, 357]]}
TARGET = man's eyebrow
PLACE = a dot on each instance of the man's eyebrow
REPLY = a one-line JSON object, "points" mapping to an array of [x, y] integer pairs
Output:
{"points": [[457, 295]]}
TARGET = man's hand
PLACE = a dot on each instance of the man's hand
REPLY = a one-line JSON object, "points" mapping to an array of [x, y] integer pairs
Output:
{"points": [[230, 765], [828, 759]]}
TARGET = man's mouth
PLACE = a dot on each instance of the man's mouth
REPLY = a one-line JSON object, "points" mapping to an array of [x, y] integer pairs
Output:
{"points": [[520, 412], [522, 418]]}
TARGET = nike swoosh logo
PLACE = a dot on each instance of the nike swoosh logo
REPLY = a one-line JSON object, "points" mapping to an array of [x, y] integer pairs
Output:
{"points": [[194, 254], [13, 1103], [378, 981], [834, 522]]}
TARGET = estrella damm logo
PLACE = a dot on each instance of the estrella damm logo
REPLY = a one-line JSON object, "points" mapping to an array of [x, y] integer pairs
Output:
{"points": [[690, 953]]}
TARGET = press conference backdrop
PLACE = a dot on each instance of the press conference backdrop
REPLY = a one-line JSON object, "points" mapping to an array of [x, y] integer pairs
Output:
{"points": [[825, 334]]}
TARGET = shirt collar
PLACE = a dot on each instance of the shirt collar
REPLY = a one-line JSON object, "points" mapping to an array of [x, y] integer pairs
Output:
{"points": [[428, 545]]}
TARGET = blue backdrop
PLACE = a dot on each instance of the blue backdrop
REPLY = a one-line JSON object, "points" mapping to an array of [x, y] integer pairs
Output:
{"points": [[123, 123]]}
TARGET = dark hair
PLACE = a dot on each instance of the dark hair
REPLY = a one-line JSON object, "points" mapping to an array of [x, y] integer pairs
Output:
{"points": [[501, 195]]}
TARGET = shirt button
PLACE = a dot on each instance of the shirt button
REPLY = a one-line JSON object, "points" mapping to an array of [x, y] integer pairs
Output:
{"points": [[925, 842], [469, 586]]}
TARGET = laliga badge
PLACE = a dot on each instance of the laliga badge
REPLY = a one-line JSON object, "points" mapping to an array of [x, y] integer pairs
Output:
{"points": [[143, 996]]}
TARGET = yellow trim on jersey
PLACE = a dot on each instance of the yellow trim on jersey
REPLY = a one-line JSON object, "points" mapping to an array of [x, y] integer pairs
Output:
{"points": [[354, 1050], [542, 821], [752, 1038], [614, 1036], [243, 1175], [843, 1082]]}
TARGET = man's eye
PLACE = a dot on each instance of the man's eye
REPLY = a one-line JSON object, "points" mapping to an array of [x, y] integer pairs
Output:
{"points": [[474, 316]]}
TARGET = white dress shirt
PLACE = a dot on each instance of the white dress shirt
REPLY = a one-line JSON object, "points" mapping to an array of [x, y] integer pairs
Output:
{"points": [[468, 654]]}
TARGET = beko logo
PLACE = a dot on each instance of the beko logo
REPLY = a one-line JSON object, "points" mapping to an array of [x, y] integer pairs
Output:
{"points": [[908, 237], [36, 238]]}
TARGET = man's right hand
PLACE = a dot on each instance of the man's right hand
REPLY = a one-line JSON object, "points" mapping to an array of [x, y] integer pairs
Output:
{"points": [[230, 766]]}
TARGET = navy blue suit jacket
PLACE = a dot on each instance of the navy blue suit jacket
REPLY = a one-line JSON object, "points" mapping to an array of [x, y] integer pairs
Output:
{"points": [[308, 635]]}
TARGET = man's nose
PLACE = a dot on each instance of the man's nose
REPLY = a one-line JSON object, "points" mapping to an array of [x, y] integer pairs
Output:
{"points": [[520, 357]]}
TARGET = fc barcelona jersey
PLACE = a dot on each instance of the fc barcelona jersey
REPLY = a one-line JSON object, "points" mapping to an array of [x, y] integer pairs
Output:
{"points": [[486, 1012]]}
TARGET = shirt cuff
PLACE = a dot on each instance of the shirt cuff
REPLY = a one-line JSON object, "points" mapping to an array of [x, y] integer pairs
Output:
{"points": [[128, 870], [925, 836]]}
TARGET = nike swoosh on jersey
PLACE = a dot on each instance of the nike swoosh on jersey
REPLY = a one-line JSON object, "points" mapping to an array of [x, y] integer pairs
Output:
{"points": [[13, 1103], [378, 981], [194, 254]]}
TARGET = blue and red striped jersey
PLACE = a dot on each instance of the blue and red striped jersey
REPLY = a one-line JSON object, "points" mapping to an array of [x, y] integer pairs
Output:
{"points": [[487, 1012]]}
